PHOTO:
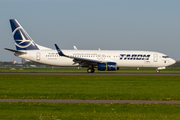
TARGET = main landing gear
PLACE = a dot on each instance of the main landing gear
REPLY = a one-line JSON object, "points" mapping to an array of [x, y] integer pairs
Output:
{"points": [[90, 70]]}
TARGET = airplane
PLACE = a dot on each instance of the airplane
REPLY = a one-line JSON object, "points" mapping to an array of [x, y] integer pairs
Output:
{"points": [[103, 60]]}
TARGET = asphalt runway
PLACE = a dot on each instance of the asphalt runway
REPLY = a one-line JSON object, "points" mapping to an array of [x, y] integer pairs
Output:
{"points": [[90, 101], [81, 73]]}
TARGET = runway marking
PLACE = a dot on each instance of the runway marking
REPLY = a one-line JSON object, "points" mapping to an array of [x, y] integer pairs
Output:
{"points": [[90, 101]]}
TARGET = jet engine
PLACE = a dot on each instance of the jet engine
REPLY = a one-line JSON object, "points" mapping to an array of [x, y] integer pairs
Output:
{"points": [[108, 66]]}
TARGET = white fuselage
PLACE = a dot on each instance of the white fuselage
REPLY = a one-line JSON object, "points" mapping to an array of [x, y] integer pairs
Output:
{"points": [[122, 58], [102, 59]]}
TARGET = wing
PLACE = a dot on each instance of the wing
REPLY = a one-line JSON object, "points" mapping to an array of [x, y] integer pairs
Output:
{"points": [[84, 62]]}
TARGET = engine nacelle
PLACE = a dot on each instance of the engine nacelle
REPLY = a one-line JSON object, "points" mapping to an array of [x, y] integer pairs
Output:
{"points": [[109, 66]]}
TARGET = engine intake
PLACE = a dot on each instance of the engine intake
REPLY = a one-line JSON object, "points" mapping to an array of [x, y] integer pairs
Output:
{"points": [[109, 66]]}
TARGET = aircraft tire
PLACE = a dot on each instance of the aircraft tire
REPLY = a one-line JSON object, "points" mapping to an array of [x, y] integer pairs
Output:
{"points": [[90, 70], [93, 70]]}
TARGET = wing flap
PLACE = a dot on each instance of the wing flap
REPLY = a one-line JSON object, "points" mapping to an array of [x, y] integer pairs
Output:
{"points": [[78, 60]]}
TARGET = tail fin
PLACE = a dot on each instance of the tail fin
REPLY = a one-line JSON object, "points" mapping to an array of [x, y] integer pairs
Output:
{"points": [[22, 40]]}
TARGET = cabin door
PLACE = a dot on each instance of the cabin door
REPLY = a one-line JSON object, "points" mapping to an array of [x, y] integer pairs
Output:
{"points": [[155, 57], [38, 56]]}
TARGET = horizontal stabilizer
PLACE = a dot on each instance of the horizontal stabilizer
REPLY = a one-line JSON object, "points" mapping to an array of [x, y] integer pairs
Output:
{"points": [[16, 51]]}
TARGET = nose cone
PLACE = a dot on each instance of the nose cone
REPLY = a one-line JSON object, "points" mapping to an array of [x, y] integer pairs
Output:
{"points": [[172, 61]]}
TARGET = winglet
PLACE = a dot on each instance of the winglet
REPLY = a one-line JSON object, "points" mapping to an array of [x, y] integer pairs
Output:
{"points": [[75, 48], [59, 51]]}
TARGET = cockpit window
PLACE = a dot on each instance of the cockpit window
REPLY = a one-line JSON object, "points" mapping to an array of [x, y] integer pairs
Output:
{"points": [[165, 56]]}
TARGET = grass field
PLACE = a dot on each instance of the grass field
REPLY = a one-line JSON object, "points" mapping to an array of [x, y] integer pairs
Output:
{"points": [[75, 69], [89, 111], [90, 87]]}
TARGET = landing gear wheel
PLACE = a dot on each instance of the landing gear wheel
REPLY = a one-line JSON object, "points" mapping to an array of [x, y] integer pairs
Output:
{"points": [[93, 70], [90, 70]]}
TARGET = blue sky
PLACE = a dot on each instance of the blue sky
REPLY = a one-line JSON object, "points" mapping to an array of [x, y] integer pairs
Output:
{"points": [[91, 24]]}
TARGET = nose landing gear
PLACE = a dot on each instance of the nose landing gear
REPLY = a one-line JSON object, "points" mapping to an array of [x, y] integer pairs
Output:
{"points": [[157, 71]]}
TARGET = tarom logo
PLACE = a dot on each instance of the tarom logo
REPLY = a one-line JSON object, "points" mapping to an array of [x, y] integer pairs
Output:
{"points": [[22, 39]]}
